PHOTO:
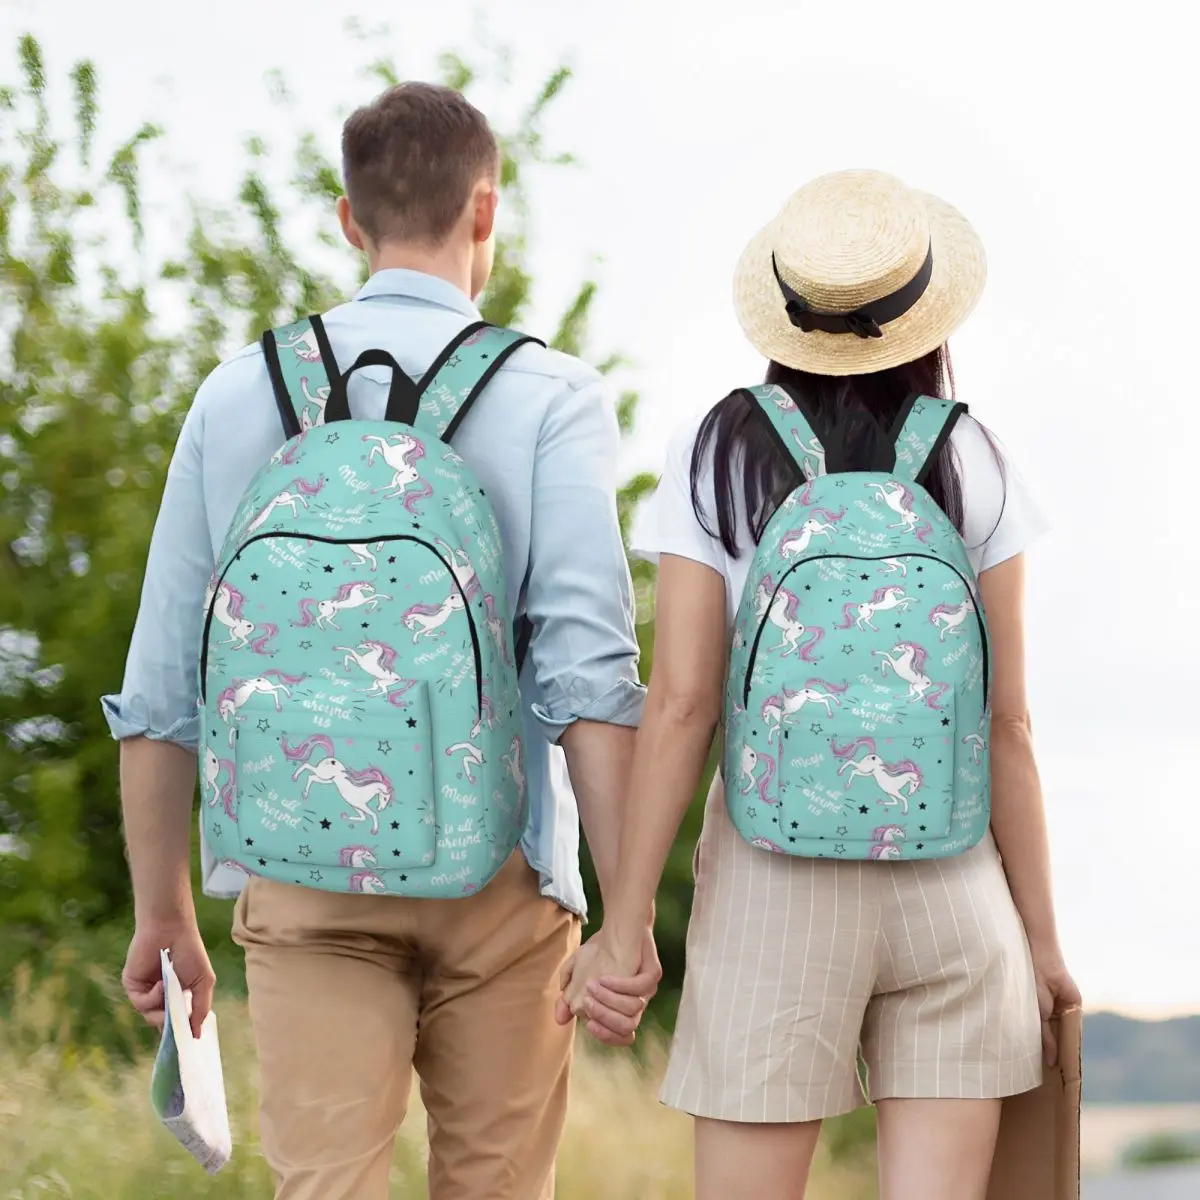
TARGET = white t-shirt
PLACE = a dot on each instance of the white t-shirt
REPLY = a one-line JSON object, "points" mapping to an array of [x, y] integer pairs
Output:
{"points": [[1000, 518]]}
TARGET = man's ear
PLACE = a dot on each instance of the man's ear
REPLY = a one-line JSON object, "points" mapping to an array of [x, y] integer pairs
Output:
{"points": [[350, 229], [487, 199]]}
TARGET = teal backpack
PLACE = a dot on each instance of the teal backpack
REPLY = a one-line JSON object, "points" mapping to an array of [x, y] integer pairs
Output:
{"points": [[358, 668], [857, 704]]}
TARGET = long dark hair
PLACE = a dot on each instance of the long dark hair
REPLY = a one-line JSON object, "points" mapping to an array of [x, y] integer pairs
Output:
{"points": [[746, 458]]}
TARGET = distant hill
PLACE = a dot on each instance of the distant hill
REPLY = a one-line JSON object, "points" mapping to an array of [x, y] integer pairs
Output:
{"points": [[1126, 1061]]}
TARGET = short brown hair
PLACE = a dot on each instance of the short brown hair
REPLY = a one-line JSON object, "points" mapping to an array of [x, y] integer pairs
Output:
{"points": [[410, 159]]}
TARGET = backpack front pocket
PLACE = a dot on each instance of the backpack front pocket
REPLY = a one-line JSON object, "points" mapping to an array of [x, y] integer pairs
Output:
{"points": [[361, 799], [882, 792]]}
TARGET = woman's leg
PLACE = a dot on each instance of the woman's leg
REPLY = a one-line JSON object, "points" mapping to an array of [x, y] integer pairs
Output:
{"points": [[936, 1149], [737, 1160]]}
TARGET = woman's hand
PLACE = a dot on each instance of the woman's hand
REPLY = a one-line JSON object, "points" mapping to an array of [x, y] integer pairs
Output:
{"points": [[610, 987], [1056, 993]]}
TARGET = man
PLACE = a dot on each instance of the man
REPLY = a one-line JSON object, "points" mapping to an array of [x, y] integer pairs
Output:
{"points": [[349, 992]]}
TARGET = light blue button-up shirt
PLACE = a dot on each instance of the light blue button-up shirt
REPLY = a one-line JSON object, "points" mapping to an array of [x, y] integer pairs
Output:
{"points": [[542, 440]]}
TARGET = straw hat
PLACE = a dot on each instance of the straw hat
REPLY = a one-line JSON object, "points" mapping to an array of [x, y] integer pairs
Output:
{"points": [[858, 273]]}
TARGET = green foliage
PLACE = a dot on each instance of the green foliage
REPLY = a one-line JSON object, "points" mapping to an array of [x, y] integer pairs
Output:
{"points": [[93, 386], [1162, 1149]]}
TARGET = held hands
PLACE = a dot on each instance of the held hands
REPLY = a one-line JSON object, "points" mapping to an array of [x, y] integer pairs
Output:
{"points": [[1056, 993], [609, 988], [142, 977]]}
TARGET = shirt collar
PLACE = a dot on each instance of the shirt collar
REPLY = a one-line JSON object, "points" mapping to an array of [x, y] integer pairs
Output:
{"points": [[415, 285]]}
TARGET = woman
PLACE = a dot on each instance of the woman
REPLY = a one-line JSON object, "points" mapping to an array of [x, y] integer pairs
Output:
{"points": [[934, 969]]}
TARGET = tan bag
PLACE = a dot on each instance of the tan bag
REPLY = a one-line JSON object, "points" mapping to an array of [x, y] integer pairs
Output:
{"points": [[1037, 1153]]}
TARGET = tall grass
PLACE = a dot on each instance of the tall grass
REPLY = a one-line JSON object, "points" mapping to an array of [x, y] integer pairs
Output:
{"points": [[76, 1123]]}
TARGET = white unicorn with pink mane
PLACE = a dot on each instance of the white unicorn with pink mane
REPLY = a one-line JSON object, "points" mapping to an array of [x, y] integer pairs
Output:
{"points": [[795, 542], [366, 882], [900, 500], [751, 761], [357, 857], [426, 620], [896, 565], [782, 614], [781, 708], [486, 718], [513, 761], [976, 743], [908, 660], [304, 344], [949, 617], [495, 626], [318, 400], [472, 757], [378, 661], [884, 598], [349, 595], [400, 452], [357, 788], [459, 562], [763, 591], [364, 552], [225, 793], [240, 692], [888, 835], [762, 843], [897, 781], [229, 609], [293, 497]]}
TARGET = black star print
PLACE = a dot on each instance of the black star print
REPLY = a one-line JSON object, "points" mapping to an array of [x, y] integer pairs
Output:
{"points": [[918, 409], [249, 841], [922, 828], [815, 728], [921, 806], [392, 559], [920, 585], [839, 849], [840, 483], [392, 580], [328, 569], [284, 592], [846, 591], [918, 742], [253, 578], [403, 878], [213, 732], [315, 876], [365, 625], [786, 735], [262, 862], [264, 725], [306, 586], [842, 831], [384, 747], [897, 624], [795, 824], [752, 812], [920, 845], [411, 723], [864, 576], [453, 361], [808, 587], [416, 525], [395, 824], [920, 569], [410, 772], [304, 852], [862, 808], [945, 722], [325, 824], [395, 853], [847, 649], [306, 645], [333, 437]]}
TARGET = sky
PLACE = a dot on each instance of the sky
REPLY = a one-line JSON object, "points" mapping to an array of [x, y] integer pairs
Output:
{"points": [[1065, 137]]}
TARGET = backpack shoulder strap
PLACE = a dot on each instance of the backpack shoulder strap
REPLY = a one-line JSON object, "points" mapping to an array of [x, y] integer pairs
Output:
{"points": [[792, 426], [304, 374], [460, 374], [923, 426]]}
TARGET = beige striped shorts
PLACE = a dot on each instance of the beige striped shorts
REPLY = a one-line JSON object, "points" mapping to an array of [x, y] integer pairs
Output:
{"points": [[796, 967]]}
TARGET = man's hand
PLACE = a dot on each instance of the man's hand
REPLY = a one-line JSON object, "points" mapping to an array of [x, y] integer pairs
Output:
{"points": [[609, 989], [142, 977]]}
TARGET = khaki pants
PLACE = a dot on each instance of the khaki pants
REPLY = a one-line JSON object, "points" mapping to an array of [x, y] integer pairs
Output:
{"points": [[349, 992]]}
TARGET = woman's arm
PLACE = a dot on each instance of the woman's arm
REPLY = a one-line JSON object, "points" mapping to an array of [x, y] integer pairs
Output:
{"points": [[1018, 814]]}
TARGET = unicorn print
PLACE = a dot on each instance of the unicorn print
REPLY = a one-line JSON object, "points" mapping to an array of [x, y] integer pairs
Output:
{"points": [[241, 691], [378, 661], [229, 609], [400, 452], [226, 794], [976, 742], [777, 710], [815, 465], [762, 843], [884, 598], [357, 857], [289, 451], [318, 402], [472, 758], [762, 596], [304, 344], [896, 564], [495, 626], [751, 760], [884, 851], [293, 497], [426, 620], [908, 660], [459, 563], [949, 617], [782, 614], [486, 718], [364, 552], [367, 882], [512, 760], [796, 541], [899, 499], [889, 834], [897, 781], [356, 788], [349, 595]]}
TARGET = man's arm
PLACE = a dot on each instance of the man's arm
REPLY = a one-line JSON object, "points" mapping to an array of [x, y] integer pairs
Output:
{"points": [[156, 721]]}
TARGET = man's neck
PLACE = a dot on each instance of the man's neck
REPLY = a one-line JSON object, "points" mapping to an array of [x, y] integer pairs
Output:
{"points": [[451, 263]]}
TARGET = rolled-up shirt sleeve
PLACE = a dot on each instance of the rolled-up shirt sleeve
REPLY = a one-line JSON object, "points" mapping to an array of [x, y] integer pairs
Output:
{"points": [[158, 698], [579, 596]]}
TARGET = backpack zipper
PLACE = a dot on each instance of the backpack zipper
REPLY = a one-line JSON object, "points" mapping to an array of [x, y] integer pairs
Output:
{"points": [[869, 558], [258, 537]]}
